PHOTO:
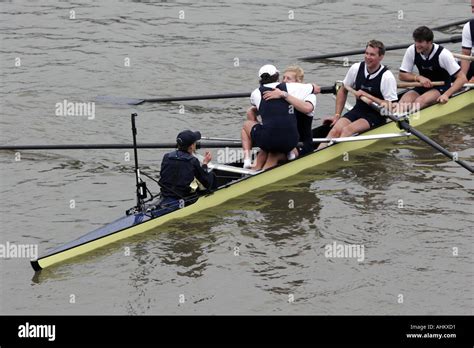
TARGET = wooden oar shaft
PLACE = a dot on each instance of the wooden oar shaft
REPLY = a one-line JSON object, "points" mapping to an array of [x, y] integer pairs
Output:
{"points": [[406, 126], [453, 39], [463, 57], [418, 84], [209, 145]]}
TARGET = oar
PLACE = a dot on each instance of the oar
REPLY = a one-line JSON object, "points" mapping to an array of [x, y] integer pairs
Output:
{"points": [[135, 101], [210, 145], [404, 124], [418, 84], [361, 138], [220, 139], [464, 21], [453, 39], [463, 57]]}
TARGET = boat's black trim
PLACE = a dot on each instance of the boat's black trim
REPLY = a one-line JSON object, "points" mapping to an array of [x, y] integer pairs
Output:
{"points": [[36, 265]]}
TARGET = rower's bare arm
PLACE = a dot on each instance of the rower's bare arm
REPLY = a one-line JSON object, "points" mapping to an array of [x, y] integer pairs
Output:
{"points": [[316, 88], [456, 86], [341, 99], [465, 64], [300, 105], [406, 76]]}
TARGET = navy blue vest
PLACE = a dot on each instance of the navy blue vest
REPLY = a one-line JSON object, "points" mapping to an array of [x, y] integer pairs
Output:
{"points": [[275, 113], [371, 86], [304, 123], [430, 68]]}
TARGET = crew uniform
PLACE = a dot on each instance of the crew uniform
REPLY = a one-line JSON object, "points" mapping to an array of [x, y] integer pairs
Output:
{"points": [[438, 66], [467, 35], [380, 84], [278, 131], [179, 169], [304, 123]]}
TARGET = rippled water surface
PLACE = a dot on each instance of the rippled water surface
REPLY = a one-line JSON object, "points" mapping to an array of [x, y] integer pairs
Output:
{"points": [[260, 253]]}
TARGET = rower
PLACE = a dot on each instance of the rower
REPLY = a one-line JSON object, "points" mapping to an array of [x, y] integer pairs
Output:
{"points": [[467, 49], [179, 169], [304, 110], [278, 133], [434, 63], [372, 80]]}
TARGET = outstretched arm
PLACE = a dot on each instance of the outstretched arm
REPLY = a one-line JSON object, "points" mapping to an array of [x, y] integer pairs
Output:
{"points": [[300, 105], [456, 86], [465, 64]]}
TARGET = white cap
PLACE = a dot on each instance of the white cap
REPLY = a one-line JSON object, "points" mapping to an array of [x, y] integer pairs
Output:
{"points": [[268, 69]]}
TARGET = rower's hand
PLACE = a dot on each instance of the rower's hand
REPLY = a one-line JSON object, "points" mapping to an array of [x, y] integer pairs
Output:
{"points": [[316, 88], [442, 99], [425, 82], [274, 94], [207, 157], [360, 93], [331, 121]]}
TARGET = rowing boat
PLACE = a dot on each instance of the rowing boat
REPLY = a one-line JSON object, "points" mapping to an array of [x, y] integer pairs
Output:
{"points": [[237, 183]]}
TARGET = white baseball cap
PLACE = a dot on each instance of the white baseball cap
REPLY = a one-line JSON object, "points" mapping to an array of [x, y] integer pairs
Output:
{"points": [[268, 69]]}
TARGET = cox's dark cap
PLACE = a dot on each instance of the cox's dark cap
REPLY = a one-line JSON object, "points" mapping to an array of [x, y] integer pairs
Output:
{"points": [[187, 138]]}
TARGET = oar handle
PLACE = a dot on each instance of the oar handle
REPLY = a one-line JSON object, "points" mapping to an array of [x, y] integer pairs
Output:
{"points": [[354, 92], [418, 84], [463, 57]]}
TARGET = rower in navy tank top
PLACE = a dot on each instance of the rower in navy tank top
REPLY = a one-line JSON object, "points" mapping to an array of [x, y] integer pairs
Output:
{"points": [[304, 111], [372, 80], [434, 63], [431, 69], [467, 49], [278, 133], [373, 87]]}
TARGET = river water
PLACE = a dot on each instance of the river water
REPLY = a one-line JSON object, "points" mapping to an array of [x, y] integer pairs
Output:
{"points": [[263, 253]]}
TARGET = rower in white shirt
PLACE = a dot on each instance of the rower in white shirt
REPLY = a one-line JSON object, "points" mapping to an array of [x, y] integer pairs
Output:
{"points": [[371, 79], [434, 63]]}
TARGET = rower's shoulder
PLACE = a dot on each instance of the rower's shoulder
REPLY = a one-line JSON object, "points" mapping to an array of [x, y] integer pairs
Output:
{"points": [[355, 67], [446, 54], [387, 74]]}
